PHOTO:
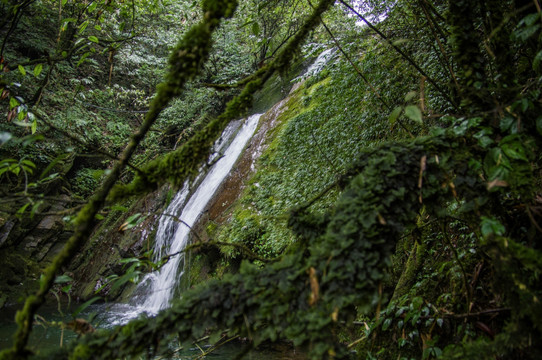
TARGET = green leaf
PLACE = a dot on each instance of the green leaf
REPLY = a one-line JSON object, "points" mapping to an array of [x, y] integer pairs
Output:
{"points": [[410, 95], [536, 61], [92, 7], [85, 305], [35, 208], [98, 27], [119, 208], [34, 126], [513, 147], [83, 26], [62, 279], [64, 2], [94, 39], [530, 19], [485, 141], [527, 32], [386, 324], [22, 209], [22, 70], [22, 123], [414, 113], [85, 55], [13, 103], [506, 122], [37, 70], [28, 163], [491, 226], [51, 165], [99, 217], [395, 114], [129, 260], [255, 28]]}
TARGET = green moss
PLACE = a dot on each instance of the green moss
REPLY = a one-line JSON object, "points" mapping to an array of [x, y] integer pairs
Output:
{"points": [[211, 228]]}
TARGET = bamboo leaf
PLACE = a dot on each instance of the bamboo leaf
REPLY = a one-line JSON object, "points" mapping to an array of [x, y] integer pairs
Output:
{"points": [[38, 69], [22, 70]]}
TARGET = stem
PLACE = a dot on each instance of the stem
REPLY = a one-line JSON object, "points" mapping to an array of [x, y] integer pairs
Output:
{"points": [[402, 53], [183, 67], [463, 271]]}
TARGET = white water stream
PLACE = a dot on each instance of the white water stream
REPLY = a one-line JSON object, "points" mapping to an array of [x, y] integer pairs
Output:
{"points": [[156, 290]]}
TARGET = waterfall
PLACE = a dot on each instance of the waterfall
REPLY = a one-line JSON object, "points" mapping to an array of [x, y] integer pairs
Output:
{"points": [[173, 236], [156, 290], [318, 64]]}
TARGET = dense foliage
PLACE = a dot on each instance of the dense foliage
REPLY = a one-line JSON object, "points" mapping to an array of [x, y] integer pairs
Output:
{"points": [[400, 190]]}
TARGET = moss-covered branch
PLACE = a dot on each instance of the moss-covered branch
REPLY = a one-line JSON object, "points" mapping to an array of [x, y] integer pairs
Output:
{"points": [[348, 262], [183, 163], [185, 62]]}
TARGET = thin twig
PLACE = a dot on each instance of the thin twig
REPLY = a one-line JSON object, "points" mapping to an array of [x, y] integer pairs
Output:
{"points": [[402, 53], [463, 271], [79, 141]]}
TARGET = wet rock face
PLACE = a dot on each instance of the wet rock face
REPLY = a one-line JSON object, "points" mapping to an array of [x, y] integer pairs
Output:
{"points": [[218, 209], [28, 245], [103, 252], [39, 241]]}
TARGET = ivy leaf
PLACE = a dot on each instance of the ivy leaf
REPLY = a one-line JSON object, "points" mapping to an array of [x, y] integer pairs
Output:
{"points": [[414, 113], [410, 95], [491, 226], [395, 114], [386, 324]]}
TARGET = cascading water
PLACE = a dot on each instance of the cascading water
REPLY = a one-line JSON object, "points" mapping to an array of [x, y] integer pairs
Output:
{"points": [[318, 64], [156, 290], [173, 235]]}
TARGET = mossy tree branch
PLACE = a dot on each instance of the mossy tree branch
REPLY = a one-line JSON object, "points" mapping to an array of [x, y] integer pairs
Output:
{"points": [[183, 163], [185, 62]]}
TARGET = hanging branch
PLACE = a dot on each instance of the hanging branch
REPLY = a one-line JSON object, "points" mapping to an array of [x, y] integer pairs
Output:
{"points": [[402, 53], [185, 62], [434, 29], [358, 71]]}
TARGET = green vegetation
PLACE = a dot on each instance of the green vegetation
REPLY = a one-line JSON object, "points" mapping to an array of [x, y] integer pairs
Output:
{"points": [[394, 212]]}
